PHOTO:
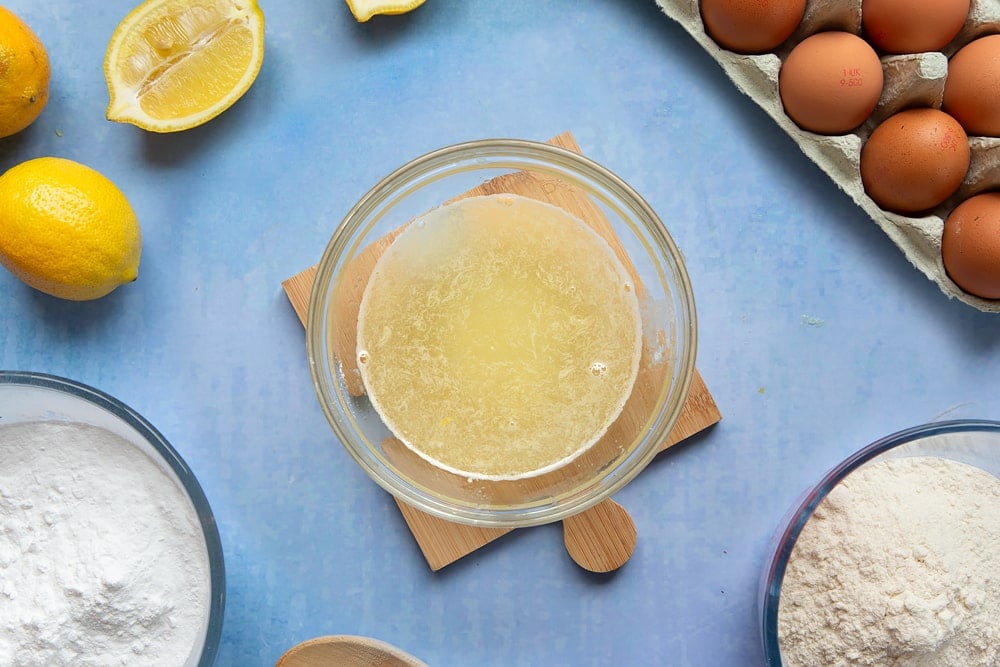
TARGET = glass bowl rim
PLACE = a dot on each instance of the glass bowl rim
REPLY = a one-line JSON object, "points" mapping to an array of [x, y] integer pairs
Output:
{"points": [[801, 511], [170, 456], [522, 154]]}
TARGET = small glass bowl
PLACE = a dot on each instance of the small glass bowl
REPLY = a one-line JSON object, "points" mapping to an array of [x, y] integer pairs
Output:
{"points": [[557, 175], [29, 397], [974, 442]]}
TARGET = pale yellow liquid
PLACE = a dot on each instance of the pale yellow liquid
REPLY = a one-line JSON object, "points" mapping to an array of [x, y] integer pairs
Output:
{"points": [[498, 337]]}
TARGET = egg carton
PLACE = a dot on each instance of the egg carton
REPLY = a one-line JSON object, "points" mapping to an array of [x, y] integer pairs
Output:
{"points": [[912, 80]]}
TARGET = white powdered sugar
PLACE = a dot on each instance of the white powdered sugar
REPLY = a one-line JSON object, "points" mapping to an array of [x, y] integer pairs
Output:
{"points": [[102, 558], [898, 567]]}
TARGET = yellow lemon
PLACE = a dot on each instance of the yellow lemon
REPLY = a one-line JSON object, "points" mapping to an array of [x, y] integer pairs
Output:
{"points": [[24, 74], [175, 64], [365, 9], [67, 230]]}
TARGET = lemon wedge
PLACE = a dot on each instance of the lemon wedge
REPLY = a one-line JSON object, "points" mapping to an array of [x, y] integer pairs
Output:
{"points": [[365, 9], [175, 64]]}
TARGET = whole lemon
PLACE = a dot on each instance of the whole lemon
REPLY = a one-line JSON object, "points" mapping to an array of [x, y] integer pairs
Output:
{"points": [[67, 230], [24, 74]]}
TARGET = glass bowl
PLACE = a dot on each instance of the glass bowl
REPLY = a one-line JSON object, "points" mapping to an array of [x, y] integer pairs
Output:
{"points": [[31, 397], [973, 442], [553, 175]]}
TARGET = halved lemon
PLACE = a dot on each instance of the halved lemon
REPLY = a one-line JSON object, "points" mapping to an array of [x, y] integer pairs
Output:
{"points": [[175, 64], [365, 9]]}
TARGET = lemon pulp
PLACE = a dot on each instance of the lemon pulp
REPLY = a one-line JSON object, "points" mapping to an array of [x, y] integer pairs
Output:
{"points": [[498, 337], [175, 64]]}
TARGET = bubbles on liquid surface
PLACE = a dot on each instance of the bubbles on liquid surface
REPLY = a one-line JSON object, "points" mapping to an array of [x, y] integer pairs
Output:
{"points": [[529, 299], [508, 424]]}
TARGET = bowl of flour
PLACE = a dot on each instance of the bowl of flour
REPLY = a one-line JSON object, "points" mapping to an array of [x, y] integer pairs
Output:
{"points": [[893, 559], [109, 551]]}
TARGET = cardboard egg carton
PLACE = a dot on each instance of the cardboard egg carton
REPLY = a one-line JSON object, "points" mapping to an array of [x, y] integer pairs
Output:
{"points": [[910, 80]]}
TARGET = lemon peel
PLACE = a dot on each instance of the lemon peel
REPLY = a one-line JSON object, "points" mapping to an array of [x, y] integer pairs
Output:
{"points": [[175, 64], [365, 9], [66, 229], [24, 74]]}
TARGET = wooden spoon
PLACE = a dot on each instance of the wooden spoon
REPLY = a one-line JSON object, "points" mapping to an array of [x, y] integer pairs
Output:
{"points": [[346, 651], [602, 538]]}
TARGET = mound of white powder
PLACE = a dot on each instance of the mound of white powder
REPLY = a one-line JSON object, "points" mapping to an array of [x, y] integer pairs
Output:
{"points": [[102, 558], [898, 567]]}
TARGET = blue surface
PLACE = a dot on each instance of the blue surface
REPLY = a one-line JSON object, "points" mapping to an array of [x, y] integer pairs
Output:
{"points": [[816, 335]]}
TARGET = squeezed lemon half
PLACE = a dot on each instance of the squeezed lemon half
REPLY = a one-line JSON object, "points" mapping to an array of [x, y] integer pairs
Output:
{"points": [[365, 9], [176, 64]]}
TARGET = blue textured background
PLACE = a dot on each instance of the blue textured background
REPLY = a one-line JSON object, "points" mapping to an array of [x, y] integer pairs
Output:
{"points": [[816, 336]]}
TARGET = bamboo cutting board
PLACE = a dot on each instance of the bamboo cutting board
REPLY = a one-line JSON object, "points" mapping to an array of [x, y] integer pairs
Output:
{"points": [[599, 539]]}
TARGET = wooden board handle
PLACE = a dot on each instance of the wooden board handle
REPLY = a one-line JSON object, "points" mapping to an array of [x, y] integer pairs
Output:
{"points": [[602, 538], [443, 542]]}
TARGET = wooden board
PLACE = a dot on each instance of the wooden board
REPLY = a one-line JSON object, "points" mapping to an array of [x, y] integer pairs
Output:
{"points": [[443, 542]]}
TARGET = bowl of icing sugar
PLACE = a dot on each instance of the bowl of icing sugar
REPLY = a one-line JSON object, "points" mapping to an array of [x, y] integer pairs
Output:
{"points": [[109, 551], [893, 558]]}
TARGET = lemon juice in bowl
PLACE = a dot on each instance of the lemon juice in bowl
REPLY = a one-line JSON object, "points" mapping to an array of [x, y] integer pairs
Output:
{"points": [[499, 337], [552, 373]]}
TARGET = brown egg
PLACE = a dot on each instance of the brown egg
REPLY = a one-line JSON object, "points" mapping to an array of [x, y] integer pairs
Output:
{"points": [[830, 82], [972, 89], [970, 245], [751, 26], [914, 160], [912, 26]]}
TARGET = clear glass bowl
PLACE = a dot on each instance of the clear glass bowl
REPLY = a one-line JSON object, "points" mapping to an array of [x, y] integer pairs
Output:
{"points": [[974, 442], [27, 397], [556, 175]]}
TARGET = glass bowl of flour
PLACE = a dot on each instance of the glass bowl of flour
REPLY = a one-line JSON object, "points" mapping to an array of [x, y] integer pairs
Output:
{"points": [[109, 552], [894, 557]]}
